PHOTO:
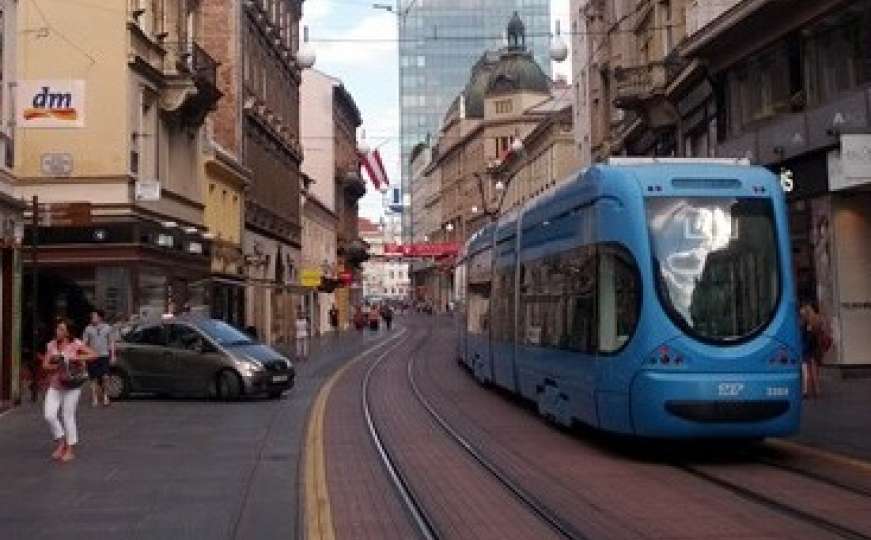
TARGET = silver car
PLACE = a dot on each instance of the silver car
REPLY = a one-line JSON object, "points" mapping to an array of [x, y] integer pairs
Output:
{"points": [[197, 357]]}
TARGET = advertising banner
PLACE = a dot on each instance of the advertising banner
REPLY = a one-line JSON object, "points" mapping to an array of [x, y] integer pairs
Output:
{"points": [[448, 249], [310, 277], [51, 104]]}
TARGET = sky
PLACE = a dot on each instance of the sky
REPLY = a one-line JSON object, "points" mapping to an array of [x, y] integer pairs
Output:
{"points": [[369, 70]]}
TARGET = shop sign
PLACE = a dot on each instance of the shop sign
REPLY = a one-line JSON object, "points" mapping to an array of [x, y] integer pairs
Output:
{"points": [[310, 277], [854, 167], [51, 104]]}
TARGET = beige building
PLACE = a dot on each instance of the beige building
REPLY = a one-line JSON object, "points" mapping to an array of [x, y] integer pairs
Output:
{"points": [[550, 155], [106, 130], [496, 108], [319, 221]]}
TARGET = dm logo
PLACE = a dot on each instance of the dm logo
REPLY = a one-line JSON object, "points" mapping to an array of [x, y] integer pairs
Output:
{"points": [[51, 104]]}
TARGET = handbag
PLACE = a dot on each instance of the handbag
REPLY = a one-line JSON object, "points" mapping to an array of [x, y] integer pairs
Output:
{"points": [[73, 374]]}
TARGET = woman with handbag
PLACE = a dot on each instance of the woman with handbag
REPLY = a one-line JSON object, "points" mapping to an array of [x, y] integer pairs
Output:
{"points": [[66, 361]]}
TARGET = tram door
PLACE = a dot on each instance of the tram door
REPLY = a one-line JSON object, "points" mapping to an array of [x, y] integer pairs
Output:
{"points": [[503, 328]]}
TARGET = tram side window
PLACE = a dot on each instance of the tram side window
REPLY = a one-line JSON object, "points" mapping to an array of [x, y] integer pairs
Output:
{"points": [[478, 308], [503, 305], [558, 307], [618, 297]]}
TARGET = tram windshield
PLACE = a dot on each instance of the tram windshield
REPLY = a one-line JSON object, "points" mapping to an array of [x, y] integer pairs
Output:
{"points": [[717, 264]]}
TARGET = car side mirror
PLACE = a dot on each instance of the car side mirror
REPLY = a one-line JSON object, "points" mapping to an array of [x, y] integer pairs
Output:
{"points": [[199, 346]]}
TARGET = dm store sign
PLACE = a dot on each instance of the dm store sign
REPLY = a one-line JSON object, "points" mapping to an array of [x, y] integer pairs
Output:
{"points": [[51, 104]]}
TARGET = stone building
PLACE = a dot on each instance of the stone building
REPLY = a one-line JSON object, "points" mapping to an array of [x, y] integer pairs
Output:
{"points": [[496, 107], [257, 125], [331, 247], [784, 84], [108, 136]]}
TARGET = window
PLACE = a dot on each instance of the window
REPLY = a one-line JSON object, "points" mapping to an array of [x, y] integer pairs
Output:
{"points": [[504, 106], [584, 300], [479, 280], [716, 263], [503, 304], [150, 335], [183, 337]]}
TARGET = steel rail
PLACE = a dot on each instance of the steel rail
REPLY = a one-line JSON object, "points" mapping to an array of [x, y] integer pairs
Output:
{"points": [[564, 529], [773, 504], [418, 513]]}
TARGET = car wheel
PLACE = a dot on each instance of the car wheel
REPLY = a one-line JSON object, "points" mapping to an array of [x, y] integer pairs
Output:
{"points": [[118, 385], [229, 386]]}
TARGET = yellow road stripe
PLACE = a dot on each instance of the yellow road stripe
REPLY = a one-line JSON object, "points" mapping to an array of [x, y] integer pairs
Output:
{"points": [[318, 513], [827, 455]]}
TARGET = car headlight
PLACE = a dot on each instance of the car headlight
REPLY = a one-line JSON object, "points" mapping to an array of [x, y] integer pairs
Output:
{"points": [[248, 367]]}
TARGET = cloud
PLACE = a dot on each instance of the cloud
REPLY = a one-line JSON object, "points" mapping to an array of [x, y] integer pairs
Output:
{"points": [[372, 40]]}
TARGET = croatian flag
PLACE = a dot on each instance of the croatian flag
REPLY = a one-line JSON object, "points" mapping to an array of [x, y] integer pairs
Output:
{"points": [[375, 169]]}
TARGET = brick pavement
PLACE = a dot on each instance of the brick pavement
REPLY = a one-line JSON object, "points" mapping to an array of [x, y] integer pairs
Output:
{"points": [[167, 469], [839, 420]]}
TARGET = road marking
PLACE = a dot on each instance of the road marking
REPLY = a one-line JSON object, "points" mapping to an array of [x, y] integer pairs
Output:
{"points": [[827, 455], [318, 513]]}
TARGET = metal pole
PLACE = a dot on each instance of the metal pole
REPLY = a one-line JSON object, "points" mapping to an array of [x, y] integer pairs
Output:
{"points": [[34, 302]]}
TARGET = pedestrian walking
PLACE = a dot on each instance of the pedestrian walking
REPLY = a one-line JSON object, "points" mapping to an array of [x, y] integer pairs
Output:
{"points": [[334, 318], [387, 315], [374, 318], [66, 360], [100, 337], [816, 342], [302, 336], [359, 319]]}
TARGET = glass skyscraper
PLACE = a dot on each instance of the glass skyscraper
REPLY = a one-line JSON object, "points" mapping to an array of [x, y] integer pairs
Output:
{"points": [[439, 42]]}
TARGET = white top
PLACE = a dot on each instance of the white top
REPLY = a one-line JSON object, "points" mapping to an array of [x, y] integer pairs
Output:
{"points": [[301, 328]]}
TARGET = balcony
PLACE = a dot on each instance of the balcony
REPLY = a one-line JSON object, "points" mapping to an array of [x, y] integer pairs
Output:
{"points": [[193, 88], [353, 185], [643, 89]]}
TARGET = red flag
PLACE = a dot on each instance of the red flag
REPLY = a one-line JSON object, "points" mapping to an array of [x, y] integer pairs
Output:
{"points": [[375, 169]]}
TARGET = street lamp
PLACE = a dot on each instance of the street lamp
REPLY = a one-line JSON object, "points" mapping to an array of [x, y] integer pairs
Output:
{"points": [[449, 227], [559, 51], [305, 55]]}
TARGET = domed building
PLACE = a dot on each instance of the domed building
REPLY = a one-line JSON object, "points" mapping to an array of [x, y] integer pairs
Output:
{"points": [[507, 97], [510, 127]]}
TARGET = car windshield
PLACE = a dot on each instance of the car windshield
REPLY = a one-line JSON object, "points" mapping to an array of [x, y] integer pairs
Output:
{"points": [[224, 334], [717, 263]]}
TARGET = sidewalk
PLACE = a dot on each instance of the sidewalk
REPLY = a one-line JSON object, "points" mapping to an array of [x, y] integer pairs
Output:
{"points": [[157, 468], [840, 420]]}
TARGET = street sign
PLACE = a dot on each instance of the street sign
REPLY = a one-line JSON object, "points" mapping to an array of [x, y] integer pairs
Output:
{"points": [[310, 277], [77, 214]]}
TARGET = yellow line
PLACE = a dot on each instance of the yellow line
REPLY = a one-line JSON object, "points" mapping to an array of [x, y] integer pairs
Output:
{"points": [[833, 457], [318, 513]]}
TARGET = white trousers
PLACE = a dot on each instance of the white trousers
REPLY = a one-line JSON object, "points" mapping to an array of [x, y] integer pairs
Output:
{"points": [[63, 402], [302, 347]]}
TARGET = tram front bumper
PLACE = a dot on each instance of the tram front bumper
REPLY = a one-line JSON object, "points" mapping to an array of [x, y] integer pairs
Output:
{"points": [[719, 405]]}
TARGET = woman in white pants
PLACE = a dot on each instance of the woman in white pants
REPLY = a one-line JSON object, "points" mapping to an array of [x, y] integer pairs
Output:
{"points": [[302, 335], [61, 397]]}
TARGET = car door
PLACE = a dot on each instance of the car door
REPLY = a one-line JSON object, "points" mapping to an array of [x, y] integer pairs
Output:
{"points": [[193, 361], [144, 354]]}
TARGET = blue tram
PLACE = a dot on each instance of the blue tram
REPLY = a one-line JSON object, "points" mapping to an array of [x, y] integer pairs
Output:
{"points": [[646, 297]]}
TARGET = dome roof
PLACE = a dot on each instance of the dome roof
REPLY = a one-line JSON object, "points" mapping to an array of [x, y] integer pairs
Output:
{"points": [[517, 72]]}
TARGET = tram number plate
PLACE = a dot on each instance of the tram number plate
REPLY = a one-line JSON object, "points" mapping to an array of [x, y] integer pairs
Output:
{"points": [[777, 391], [279, 378], [730, 389]]}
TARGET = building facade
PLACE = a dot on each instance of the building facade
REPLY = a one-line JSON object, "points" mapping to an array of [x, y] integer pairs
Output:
{"points": [[260, 127], [108, 136], [440, 40], [384, 279], [11, 224], [782, 84]]}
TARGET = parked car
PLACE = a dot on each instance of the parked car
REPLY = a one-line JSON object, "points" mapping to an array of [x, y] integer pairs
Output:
{"points": [[197, 356]]}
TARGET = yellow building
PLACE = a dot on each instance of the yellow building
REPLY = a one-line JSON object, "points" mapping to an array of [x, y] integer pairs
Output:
{"points": [[108, 113], [224, 183]]}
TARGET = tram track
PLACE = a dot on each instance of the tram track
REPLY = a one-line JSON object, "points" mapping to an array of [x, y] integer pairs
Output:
{"points": [[424, 522], [773, 504]]}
